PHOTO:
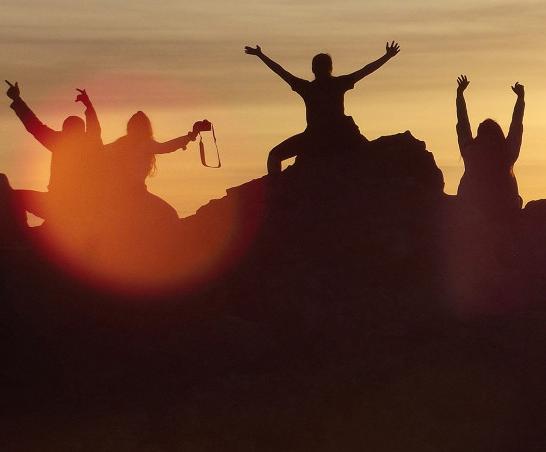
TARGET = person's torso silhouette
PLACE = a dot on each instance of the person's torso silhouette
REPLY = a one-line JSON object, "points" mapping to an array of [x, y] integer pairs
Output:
{"points": [[131, 158], [75, 158], [488, 182], [130, 162], [324, 100]]}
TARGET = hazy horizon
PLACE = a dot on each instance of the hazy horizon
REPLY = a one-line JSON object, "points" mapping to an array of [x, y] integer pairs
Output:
{"points": [[180, 63]]}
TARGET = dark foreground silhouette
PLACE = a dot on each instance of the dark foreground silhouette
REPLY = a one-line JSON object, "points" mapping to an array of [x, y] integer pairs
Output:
{"points": [[347, 304]]}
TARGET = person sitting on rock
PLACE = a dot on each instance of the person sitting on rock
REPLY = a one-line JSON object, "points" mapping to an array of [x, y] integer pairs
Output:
{"points": [[75, 152], [327, 123], [488, 182], [131, 159]]}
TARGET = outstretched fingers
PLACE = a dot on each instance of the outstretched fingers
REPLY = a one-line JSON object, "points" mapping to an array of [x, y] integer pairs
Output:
{"points": [[82, 96], [462, 81], [392, 48]]}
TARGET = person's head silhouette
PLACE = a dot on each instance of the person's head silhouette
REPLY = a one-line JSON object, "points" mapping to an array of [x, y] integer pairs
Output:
{"points": [[322, 65], [139, 130], [74, 126], [490, 134], [139, 126]]}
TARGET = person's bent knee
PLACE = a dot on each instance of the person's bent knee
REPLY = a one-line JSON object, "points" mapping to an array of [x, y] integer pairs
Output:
{"points": [[274, 163]]}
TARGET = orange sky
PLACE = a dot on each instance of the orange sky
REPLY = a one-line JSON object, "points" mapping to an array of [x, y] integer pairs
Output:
{"points": [[181, 61]]}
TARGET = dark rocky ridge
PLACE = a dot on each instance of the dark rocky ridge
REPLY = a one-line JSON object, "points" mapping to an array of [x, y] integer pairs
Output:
{"points": [[350, 305]]}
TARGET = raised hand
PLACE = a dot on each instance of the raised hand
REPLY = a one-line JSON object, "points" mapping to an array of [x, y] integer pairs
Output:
{"points": [[519, 89], [253, 51], [392, 49], [462, 83], [13, 91], [82, 97]]}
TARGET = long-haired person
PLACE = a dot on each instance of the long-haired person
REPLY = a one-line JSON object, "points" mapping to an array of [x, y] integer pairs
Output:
{"points": [[488, 183], [131, 159]]}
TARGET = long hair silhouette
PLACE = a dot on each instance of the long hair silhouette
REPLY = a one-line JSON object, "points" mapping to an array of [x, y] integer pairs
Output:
{"points": [[139, 126], [490, 134], [139, 129]]}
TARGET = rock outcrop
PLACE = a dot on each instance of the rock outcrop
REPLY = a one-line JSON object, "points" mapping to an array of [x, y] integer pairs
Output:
{"points": [[346, 304]]}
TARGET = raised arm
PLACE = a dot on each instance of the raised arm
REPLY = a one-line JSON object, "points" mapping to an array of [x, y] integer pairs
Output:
{"points": [[45, 135], [92, 128], [274, 66], [391, 50], [464, 132], [515, 134]]}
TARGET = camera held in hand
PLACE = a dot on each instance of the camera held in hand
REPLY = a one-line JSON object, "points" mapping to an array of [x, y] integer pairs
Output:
{"points": [[206, 126], [202, 126]]}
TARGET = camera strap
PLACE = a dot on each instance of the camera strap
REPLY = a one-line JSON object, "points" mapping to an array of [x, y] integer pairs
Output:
{"points": [[202, 151]]}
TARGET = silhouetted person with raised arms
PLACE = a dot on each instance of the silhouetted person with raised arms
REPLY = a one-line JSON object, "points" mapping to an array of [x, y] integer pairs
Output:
{"points": [[488, 182], [75, 154], [327, 123], [131, 159]]}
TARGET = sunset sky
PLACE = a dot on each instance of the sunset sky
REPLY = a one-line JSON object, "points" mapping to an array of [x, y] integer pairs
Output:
{"points": [[182, 61]]}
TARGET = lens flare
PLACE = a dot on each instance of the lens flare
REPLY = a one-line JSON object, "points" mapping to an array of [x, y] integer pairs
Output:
{"points": [[145, 255], [136, 245]]}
